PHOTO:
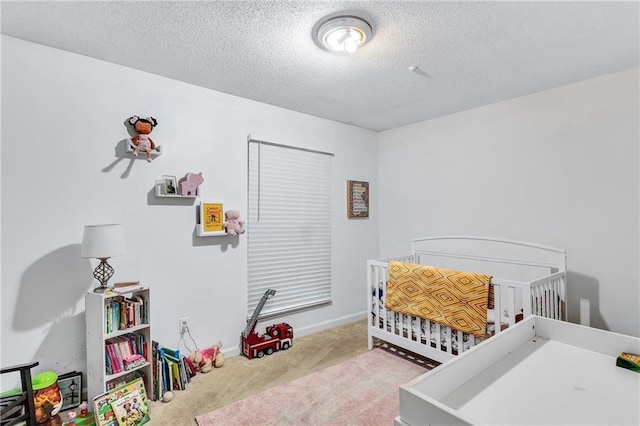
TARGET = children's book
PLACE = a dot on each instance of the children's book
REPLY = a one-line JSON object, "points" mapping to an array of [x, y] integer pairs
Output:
{"points": [[110, 407], [129, 410]]}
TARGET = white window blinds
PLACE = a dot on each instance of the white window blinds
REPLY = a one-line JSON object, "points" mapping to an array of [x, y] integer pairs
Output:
{"points": [[289, 227]]}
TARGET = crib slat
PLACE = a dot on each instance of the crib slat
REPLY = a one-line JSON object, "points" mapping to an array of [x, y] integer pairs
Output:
{"points": [[460, 335], [375, 308], [510, 308], [547, 300], [535, 300], [554, 299], [497, 310]]}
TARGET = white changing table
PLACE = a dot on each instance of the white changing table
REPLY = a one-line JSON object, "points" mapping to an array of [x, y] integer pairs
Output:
{"points": [[541, 371]]}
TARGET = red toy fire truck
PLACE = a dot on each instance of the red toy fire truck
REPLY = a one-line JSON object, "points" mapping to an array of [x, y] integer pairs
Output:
{"points": [[276, 336]]}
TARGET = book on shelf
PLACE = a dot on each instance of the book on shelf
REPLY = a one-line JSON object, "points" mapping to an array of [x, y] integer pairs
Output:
{"points": [[127, 287], [122, 313], [124, 284], [126, 378], [125, 352], [107, 363], [112, 366]]}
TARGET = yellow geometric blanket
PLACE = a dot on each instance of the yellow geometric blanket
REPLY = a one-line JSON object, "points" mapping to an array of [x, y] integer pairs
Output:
{"points": [[454, 298]]}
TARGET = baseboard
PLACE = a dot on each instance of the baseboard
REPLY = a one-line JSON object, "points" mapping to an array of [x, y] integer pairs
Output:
{"points": [[310, 329], [336, 322]]}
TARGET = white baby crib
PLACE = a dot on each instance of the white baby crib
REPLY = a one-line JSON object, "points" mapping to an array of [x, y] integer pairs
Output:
{"points": [[527, 279]]}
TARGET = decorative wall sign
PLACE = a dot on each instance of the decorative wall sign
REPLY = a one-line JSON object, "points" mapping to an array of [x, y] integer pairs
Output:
{"points": [[357, 199]]}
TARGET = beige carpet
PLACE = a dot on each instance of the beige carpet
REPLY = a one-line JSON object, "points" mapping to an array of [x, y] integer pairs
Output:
{"points": [[360, 391], [241, 378]]}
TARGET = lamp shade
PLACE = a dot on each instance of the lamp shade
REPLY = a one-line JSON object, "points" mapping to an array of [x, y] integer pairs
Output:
{"points": [[102, 241]]}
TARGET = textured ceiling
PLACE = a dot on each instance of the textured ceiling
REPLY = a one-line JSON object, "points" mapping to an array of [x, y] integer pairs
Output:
{"points": [[467, 53]]}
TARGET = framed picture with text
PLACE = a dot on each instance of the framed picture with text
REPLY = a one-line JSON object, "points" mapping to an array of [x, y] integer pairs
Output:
{"points": [[210, 219], [357, 199]]}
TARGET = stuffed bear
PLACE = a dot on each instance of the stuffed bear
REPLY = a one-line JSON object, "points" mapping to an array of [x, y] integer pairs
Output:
{"points": [[142, 142], [232, 223]]}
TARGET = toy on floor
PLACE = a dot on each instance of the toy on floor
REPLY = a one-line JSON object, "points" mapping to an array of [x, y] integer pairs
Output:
{"points": [[203, 359], [142, 142], [47, 396], [276, 337], [219, 360], [81, 417], [167, 396]]}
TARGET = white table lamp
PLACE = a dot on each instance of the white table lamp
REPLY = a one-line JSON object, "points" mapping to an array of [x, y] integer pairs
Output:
{"points": [[102, 242]]}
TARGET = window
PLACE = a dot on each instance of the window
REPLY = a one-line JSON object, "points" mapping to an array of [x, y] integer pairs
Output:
{"points": [[289, 227]]}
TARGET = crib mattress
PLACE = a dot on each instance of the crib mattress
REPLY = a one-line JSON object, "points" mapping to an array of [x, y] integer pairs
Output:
{"points": [[540, 371]]}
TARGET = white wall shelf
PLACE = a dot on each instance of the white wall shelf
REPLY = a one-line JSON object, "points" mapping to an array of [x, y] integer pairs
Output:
{"points": [[199, 233], [142, 155], [159, 189], [98, 381], [215, 210]]}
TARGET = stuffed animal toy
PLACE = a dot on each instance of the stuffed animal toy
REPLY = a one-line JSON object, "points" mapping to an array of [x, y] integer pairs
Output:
{"points": [[190, 183], [142, 142], [219, 360], [232, 223], [203, 360]]}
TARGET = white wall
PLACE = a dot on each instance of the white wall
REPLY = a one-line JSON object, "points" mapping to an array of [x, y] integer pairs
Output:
{"points": [[62, 118], [559, 168]]}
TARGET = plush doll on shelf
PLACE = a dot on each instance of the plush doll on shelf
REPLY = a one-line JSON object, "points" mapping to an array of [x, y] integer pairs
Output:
{"points": [[232, 223], [142, 142]]}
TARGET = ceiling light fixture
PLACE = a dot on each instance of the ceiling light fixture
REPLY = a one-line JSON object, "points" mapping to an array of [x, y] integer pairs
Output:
{"points": [[344, 34]]}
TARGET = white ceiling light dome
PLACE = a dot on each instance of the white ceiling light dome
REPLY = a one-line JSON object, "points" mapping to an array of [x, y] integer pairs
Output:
{"points": [[344, 34]]}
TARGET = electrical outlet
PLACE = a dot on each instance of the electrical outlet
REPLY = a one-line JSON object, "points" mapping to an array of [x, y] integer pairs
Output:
{"points": [[183, 324]]}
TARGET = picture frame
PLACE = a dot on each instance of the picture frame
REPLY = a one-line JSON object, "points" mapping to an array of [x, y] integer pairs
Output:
{"points": [[169, 185], [70, 385], [357, 199], [210, 219]]}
